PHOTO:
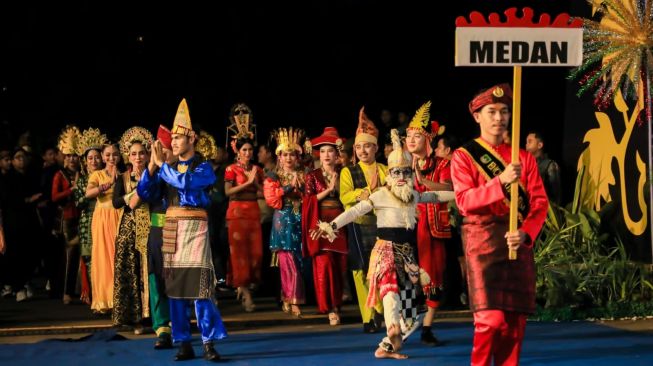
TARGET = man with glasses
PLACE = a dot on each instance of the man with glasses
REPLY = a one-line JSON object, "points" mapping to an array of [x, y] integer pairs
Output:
{"points": [[394, 275]]}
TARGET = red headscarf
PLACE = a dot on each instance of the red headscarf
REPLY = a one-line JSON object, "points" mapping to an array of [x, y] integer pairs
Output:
{"points": [[501, 93]]}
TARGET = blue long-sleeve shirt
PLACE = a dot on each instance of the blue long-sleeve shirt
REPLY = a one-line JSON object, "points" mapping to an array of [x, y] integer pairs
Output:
{"points": [[191, 185], [149, 187]]}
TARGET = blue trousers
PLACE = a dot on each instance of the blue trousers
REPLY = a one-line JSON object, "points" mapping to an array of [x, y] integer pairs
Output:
{"points": [[208, 316]]}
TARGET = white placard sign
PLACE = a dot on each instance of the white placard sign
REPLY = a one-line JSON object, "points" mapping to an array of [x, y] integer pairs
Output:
{"points": [[511, 46]]}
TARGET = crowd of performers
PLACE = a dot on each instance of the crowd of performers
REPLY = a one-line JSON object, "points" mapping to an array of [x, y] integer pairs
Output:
{"points": [[142, 243]]}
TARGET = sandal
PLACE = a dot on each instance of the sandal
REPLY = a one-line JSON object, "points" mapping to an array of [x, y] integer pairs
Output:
{"points": [[285, 307], [295, 311], [247, 302], [334, 319]]}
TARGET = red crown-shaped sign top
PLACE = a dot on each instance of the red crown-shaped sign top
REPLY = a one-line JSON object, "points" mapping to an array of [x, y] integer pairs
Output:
{"points": [[476, 19]]}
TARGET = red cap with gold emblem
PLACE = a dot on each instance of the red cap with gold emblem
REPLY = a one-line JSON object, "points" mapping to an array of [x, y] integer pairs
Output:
{"points": [[501, 93]]}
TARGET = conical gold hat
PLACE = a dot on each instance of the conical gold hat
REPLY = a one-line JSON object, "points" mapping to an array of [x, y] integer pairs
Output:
{"points": [[182, 125]]}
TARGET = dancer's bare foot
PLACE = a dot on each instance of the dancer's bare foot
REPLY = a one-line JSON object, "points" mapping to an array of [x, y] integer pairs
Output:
{"points": [[394, 334], [381, 353]]}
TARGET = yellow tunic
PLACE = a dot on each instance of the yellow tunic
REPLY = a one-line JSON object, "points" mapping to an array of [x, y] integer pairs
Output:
{"points": [[348, 193]]}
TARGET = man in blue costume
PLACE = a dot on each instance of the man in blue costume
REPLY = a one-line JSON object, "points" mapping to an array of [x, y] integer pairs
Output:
{"points": [[187, 265]]}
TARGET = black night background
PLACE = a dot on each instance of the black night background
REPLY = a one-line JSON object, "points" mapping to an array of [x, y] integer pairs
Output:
{"points": [[310, 64]]}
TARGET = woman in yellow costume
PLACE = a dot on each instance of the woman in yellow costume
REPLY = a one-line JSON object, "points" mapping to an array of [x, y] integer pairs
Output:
{"points": [[89, 150], [104, 228]]}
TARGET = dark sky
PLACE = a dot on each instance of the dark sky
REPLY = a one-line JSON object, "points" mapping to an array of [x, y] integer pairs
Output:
{"points": [[311, 65]]}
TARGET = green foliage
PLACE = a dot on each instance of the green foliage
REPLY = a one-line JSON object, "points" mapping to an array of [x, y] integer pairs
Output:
{"points": [[584, 272], [612, 311]]}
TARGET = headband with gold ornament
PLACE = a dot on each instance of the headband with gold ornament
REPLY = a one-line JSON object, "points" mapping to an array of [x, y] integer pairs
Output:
{"points": [[134, 135], [289, 139], [206, 146], [91, 139], [501, 93], [182, 124], [69, 140]]}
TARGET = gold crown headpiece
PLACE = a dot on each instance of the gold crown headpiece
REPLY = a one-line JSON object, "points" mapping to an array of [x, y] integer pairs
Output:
{"points": [[206, 146], [134, 135], [69, 140], [242, 121], [288, 139], [91, 138]]}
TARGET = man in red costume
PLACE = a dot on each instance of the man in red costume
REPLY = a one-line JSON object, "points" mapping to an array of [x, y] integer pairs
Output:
{"points": [[433, 227], [502, 291]]}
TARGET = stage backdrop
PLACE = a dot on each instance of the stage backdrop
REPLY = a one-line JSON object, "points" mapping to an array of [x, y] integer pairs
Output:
{"points": [[613, 146]]}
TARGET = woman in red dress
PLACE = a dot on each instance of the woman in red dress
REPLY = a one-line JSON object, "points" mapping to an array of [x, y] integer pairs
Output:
{"points": [[243, 181], [67, 227], [321, 202]]}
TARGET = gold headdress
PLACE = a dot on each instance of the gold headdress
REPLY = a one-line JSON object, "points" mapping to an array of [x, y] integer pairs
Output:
{"points": [[398, 158], [69, 139], [206, 146], [288, 140], [421, 119], [91, 138], [421, 123], [133, 135], [182, 125], [242, 123]]}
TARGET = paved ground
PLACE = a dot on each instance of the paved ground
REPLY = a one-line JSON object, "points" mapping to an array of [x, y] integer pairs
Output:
{"points": [[41, 318]]}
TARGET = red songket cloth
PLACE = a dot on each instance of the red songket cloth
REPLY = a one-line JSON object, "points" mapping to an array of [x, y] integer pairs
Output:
{"points": [[273, 193], [61, 191], [494, 281], [329, 258], [244, 230], [312, 211], [436, 214], [433, 223], [382, 274]]}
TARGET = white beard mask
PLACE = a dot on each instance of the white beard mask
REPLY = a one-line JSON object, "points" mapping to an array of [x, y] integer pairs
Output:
{"points": [[404, 192]]}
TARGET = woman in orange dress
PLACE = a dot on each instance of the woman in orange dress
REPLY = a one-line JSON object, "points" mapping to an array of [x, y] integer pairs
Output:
{"points": [[104, 229]]}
